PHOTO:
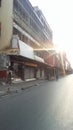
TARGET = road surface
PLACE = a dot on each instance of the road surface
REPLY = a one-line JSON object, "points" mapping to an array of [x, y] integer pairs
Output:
{"points": [[48, 106]]}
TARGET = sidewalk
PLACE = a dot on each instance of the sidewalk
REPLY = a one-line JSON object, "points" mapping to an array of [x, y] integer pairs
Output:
{"points": [[18, 86]]}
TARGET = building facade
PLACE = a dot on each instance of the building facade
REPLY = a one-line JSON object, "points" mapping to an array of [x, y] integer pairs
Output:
{"points": [[26, 37]]}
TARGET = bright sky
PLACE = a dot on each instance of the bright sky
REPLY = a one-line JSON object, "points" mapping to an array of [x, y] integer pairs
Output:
{"points": [[59, 15]]}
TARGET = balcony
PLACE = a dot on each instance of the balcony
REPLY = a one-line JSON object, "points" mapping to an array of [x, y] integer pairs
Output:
{"points": [[25, 16]]}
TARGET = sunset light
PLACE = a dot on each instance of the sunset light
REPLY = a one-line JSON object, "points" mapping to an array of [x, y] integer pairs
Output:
{"points": [[36, 64], [58, 13]]}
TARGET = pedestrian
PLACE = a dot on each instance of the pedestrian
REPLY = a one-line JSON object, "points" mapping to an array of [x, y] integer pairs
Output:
{"points": [[10, 81], [9, 75], [9, 78]]}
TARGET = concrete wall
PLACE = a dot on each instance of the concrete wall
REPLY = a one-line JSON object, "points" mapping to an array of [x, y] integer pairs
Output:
{"points": [[6, 19]]}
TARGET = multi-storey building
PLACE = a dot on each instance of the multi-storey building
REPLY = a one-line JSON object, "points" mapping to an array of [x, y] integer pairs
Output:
{"points": [[26, 37]]}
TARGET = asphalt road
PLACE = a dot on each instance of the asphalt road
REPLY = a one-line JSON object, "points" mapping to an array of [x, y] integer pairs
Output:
{"points": [[48, 106]]}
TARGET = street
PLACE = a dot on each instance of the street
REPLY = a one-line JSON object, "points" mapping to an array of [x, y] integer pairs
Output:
{"points": [[47, 106]]}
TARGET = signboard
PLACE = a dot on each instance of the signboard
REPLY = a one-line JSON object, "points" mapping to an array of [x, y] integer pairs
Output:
{"points": [[30, 64], [26, 50]]}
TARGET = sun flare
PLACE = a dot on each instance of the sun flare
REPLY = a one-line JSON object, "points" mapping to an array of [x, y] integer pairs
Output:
{"points": [[68, 50]]}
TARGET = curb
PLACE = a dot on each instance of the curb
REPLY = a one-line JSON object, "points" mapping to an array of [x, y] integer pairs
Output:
{"points": [[8, 92], [17, 90]]}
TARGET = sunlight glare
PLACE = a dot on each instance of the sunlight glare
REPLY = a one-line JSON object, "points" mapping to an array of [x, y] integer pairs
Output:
{"points": [[68, 50]]}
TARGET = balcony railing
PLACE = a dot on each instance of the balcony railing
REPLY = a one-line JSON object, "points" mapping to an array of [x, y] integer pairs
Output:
{"points": [[26, 14]]}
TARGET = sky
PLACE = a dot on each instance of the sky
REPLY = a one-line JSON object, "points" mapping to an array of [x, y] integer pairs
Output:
{"points": [[59, 15]]}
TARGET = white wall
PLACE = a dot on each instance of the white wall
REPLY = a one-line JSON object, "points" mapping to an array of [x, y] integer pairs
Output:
{"points": [[26, 50], [6, 19]]}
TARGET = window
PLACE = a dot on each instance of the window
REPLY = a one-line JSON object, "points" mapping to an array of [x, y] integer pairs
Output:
{"points": [[0, 3]]}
